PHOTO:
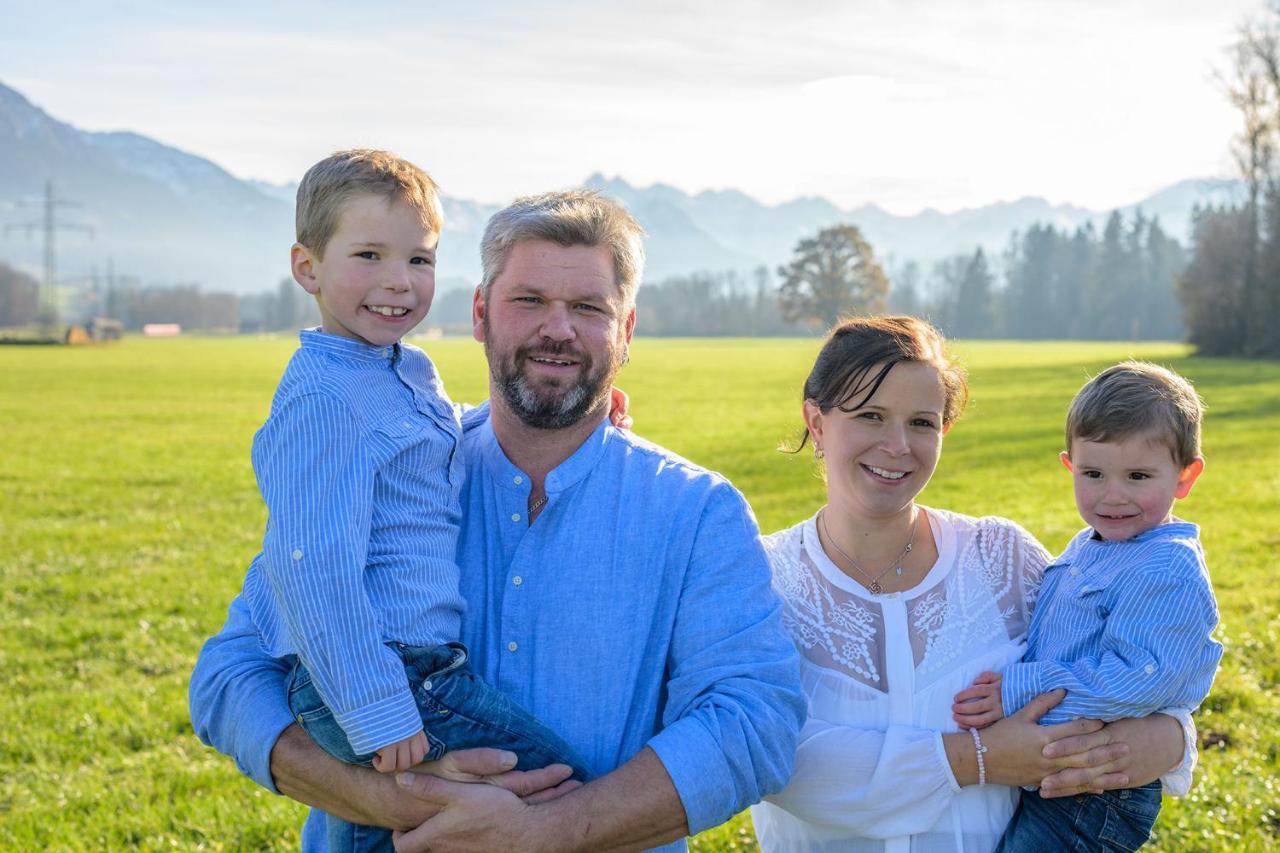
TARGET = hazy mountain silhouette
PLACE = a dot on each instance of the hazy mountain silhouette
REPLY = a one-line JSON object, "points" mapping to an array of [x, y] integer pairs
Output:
{"points": [[168, 216]]}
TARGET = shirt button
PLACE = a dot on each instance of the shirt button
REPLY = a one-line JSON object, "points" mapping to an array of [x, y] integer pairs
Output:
{"points": [[511, 646], [517, 580], [1084, 588], [1149, 668], [297, 554], [515, 516], [1074, 571], [517, 479], [406, 424]]}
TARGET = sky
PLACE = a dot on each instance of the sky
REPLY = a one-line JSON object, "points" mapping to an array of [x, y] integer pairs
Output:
{"points": [[904, 103]]}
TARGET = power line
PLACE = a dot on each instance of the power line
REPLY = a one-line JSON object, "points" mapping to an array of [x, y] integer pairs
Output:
{"points": [[50, 226]]}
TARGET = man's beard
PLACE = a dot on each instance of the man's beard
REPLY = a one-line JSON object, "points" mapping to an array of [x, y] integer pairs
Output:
{"points": [[549, 407]]}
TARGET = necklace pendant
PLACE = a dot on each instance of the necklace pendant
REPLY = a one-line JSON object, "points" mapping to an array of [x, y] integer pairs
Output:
{"points": [[875, 587], [898, 571]]}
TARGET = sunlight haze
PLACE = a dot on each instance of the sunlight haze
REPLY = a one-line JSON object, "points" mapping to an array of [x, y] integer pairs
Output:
{"points": [[908, 105]]}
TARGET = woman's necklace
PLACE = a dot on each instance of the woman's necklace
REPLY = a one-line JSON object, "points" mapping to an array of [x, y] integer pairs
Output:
{"points": [[895, 566]]}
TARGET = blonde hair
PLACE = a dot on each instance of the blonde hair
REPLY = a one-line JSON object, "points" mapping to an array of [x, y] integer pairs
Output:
{"points": [[568, 218], [1135, 397], [332, 182]]}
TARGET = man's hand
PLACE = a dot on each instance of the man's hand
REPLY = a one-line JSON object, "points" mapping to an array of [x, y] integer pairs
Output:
{"points": [[619, 402], [494, 767], [306, 773], [401, 755], [1132, 752], [634, 807], [979, 705], [469, 817]]}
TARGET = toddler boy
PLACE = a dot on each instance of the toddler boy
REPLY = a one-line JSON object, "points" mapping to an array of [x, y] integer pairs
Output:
{"points": [[1124, 617], [360, 466]]}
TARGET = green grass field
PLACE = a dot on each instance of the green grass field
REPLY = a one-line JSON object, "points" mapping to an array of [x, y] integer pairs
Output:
{"points": [[128, 514]]}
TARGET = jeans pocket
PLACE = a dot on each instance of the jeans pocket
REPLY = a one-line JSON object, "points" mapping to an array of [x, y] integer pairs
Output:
{"points": [[1130, 815]]}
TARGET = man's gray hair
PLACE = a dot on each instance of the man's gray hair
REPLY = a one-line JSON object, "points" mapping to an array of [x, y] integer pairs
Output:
{"points": [[568, 218]]}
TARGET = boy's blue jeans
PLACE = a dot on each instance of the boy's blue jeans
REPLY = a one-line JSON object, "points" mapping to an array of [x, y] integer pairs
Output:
{"points": [[1112, 820], [459, 711]]}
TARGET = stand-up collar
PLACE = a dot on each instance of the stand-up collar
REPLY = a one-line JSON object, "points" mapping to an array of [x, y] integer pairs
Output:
{"points": [[569, 472], [347, 349]]}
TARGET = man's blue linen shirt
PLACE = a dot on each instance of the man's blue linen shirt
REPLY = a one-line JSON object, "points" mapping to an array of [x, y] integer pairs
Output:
{"points": [[360, 468], [636, 610], [1123, 626]]}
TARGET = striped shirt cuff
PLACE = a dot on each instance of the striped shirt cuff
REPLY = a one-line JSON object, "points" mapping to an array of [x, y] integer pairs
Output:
{"points": [[382, 723], [1019, 684]]}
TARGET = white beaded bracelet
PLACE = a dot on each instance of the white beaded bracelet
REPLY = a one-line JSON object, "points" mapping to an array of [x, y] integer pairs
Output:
{"points": [[981, 751]]}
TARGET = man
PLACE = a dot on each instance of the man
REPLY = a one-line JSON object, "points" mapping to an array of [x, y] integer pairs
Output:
{"points": [[616, 591]]}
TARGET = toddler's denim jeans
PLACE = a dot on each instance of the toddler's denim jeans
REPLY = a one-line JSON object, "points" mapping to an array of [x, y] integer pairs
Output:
{"points": [[1113, 820], [459, 711]]}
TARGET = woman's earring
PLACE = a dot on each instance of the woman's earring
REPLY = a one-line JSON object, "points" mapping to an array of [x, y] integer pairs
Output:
{"points": [[817, 452]]}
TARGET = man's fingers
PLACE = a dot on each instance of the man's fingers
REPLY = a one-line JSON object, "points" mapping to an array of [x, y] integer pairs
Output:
{"points": [[554, 793], [1076, 738], [1068, 783], [987, 678], [428, 788], [525, 783], [414, 841], [468, 765]]}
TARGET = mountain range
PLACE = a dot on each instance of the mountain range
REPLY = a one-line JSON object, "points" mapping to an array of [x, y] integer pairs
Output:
{"points": [[162, 215]]}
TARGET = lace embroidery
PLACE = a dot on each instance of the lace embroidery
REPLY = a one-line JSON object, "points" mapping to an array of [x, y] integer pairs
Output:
{"points": [[966, 610], [845, 630]]}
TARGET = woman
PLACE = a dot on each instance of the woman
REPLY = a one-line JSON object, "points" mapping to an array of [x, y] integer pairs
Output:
{"points": [[895, 608]]}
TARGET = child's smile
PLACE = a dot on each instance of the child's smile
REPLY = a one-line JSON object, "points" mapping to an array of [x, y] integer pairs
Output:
{"points": [[1126, 487]]}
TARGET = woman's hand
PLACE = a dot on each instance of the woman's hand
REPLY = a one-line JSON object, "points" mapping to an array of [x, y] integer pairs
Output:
{"points": [[1016, 746]]}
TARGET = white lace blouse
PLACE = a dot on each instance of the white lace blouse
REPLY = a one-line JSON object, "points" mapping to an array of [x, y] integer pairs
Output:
{"points": [[880, 672]]}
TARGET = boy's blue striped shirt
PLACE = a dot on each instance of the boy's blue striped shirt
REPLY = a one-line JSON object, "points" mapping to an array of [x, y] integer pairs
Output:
{"points": [[1124, 626], [360, 466]]}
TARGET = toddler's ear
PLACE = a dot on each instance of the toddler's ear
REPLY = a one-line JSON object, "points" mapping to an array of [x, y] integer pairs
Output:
{"points": [[1188, 478], [1065, 458]]}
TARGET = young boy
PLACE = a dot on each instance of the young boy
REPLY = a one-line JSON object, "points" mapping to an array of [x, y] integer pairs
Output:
{"points": [[1125, 615], [360, 466]]}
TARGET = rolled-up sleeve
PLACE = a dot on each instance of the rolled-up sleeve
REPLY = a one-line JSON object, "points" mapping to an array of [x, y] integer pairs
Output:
{"points": [[734, 705], [237, 696], [317, 479]]}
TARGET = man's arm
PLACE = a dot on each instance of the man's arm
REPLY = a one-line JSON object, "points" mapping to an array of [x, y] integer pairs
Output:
{"points": [[734, 703], [238, 706], [734, 709], [237, 696]]}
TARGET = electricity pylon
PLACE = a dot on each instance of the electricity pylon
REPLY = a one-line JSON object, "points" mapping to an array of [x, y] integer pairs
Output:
{"points": [[50, 226]]}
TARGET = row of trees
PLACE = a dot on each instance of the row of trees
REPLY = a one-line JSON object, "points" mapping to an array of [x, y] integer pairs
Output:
{"points": [[1117, 285], [125, 299], [19, 297], [1231, 288]]}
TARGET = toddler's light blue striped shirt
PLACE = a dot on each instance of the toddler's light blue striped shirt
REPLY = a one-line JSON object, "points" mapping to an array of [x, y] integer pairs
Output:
{"points": [[1124, 626], [361, 468]]}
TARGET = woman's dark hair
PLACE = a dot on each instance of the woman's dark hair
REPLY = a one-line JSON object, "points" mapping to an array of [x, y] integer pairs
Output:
{"points": [[859, 353]]}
